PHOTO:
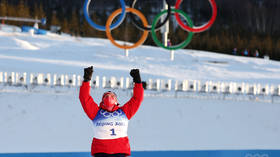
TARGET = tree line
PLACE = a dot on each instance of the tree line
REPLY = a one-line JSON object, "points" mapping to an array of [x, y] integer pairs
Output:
{"points": [[241, 24]]}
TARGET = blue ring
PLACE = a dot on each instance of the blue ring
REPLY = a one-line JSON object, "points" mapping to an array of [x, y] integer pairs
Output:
{"points": [[99, 27]]}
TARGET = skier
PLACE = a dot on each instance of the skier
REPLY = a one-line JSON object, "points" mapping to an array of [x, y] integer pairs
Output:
{"points": [[234, 52], [110, 121], [246, 52]]}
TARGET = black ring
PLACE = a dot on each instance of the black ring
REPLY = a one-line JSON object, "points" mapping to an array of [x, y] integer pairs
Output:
{"points": [[149, 28]]}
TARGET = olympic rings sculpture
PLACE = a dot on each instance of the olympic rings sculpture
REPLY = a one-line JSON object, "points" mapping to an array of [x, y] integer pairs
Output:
{"points": [[146, 28]]}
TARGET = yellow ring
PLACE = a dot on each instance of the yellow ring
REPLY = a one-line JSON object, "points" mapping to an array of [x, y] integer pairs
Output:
{"points": [[116, 13]]}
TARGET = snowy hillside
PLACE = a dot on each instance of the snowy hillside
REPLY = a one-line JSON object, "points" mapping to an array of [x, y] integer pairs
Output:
{"points": [[54, 53], [52, 120]]}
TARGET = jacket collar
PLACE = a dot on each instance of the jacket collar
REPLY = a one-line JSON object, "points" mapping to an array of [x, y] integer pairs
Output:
{"points": [[116, 107]]}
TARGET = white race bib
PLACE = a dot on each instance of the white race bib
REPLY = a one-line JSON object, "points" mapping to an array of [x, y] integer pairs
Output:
{"points": [[110, 125]]}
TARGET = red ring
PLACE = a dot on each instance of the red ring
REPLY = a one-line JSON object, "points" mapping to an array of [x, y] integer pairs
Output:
{"points": [[200, 28]]}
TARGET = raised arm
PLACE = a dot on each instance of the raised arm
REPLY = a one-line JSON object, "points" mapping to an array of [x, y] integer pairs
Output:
{"points": [[132, 106], [88, 104]]}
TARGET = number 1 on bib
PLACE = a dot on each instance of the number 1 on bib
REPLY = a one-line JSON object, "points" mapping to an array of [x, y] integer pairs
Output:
{"points": [[113, 132]]}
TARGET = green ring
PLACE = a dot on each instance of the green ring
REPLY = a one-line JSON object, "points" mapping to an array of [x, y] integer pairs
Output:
{"points": [[175, 47]]}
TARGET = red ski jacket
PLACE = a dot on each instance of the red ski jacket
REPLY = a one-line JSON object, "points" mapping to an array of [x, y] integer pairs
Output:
{"points": [[111, 146]]}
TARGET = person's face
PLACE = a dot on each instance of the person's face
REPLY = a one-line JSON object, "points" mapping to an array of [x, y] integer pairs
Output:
{"points": [[109, 101]]}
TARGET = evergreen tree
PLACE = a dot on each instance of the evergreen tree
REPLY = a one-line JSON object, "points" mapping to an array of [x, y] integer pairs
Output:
{"points": [[74, 24], [12, 10], [225, 43], [22, 9], [54, 20], [39, 11], [3, 8], [65, 26], [277, 50], [268, 45], [240, 43], [254, 43]]}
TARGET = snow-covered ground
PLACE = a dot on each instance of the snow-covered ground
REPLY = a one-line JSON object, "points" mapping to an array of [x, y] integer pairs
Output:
{"points": [[52, 120]]}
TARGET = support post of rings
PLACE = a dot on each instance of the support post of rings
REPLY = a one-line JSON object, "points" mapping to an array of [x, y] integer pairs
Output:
{"points": [[169, 44], [165, 29], [172, 55], [126, 52]]}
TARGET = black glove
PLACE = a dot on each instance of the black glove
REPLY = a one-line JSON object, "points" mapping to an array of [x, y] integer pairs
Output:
{"points": [[134, 73], [88, 73]]}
